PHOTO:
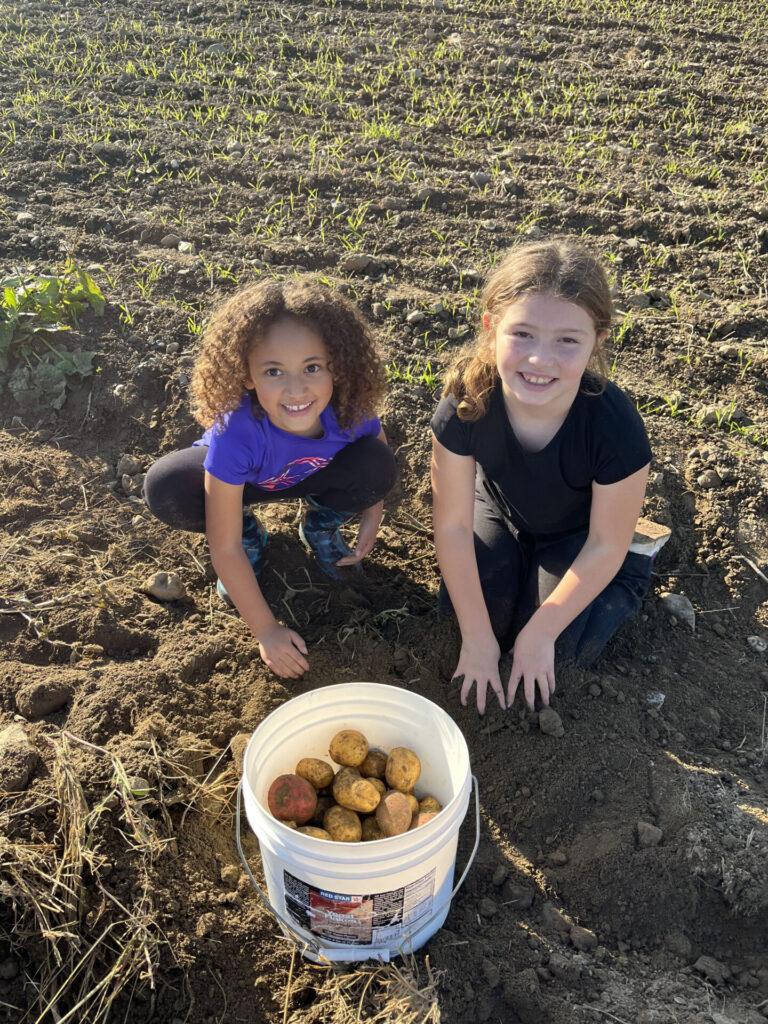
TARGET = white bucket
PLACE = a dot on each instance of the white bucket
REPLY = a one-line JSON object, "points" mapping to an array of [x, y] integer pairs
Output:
{"points": [[349, 902]]}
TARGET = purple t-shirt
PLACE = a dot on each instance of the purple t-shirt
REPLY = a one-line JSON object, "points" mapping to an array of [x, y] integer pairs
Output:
{"points": [[248, 450]]}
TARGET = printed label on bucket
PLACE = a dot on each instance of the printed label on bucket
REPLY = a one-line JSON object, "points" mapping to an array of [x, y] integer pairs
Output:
{"points": [[372, 919]]}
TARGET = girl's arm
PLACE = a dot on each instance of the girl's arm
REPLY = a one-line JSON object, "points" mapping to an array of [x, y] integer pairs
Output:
{"points": [[453, 491], [281, 648], [370, 520], [613, 517]]}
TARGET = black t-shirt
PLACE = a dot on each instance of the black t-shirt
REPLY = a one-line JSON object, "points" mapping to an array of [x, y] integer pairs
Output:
{"points": [[602, 440]]}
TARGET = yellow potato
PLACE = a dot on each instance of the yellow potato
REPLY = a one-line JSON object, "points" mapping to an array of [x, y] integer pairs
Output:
{"points": [[342, 825], [374, 765], [318, 773], [371, 830], [412, 802], [355, 794], [316, 833], [349, 748], [428, 803], [403, 769], [377, 784]]}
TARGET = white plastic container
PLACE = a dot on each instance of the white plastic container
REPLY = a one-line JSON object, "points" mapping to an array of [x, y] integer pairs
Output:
{"points": [[359, 901]]}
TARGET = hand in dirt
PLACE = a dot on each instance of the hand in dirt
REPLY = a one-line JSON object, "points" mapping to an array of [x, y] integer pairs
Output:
{"points": [[534, 663], [282, 650], [479, 666], [366, 534]]}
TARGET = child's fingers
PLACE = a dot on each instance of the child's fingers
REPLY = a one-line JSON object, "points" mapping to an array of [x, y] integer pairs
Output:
{"points": [[297, 641], [514, 682]]}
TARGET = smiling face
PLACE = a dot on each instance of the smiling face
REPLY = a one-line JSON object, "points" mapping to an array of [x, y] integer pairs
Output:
{"points": [[543, 346], [289, 369]]}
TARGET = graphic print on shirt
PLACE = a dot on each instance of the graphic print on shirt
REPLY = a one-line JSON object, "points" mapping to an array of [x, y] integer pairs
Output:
{"points": [[296, 471]]}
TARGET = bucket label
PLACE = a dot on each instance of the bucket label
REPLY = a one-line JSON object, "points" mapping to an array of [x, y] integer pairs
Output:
{"points": [[372, 919]]}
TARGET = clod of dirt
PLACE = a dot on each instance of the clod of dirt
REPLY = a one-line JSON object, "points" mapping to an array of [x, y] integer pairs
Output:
{"points": [[499, 876], [355, 262], [154, 726], [18, 758], [678, 945], [237, 745], [712, 969], [520, 897], [9, 968], [230, 875], [127, 464], [491, 973], [680, 607], [487, 907], [557, 858], [583, 939], [550, 723], [165, 586], [563, 968], [38, 699], [555, 919], [648, 835], [709, 480]]}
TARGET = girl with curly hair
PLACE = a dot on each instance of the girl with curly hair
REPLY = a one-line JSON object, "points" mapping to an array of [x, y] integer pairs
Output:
{"points": [[539, 470], [286, 386]]}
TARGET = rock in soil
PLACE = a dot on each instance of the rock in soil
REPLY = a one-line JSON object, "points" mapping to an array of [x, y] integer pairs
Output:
{"points": [[165, 586], [38, 699], [712, 969], [583, 939], [648, 835], [18, 758], [550, 723]]}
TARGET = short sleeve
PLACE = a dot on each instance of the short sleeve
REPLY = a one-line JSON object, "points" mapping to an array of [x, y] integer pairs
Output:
{"points": [[230, 457], [621, 441], [449, 429]]}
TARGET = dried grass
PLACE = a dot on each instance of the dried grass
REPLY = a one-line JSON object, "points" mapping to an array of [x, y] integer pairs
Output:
{"points": [[393, 993]]}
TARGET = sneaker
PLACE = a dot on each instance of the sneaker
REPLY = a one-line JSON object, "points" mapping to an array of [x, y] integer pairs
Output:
{"points": [[319, 532], [254, 542]]}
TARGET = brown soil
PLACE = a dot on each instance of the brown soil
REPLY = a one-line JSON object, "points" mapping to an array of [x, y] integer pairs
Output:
{"points": [[671, 184]]}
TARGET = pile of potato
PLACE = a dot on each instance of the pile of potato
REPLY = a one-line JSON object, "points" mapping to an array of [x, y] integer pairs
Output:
{"points": [[371, 796]]}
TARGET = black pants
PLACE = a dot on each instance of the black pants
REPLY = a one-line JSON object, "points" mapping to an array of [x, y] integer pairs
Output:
{"points": [[358, 476], [518, 572]]}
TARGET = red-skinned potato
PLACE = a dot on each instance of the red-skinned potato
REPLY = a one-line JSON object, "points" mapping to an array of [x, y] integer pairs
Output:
{"points": [[394, 813], [292, 798], [422, 818]]}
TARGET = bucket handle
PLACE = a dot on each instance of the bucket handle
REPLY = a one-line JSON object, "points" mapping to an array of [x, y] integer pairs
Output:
{"points": [[334, 953]]}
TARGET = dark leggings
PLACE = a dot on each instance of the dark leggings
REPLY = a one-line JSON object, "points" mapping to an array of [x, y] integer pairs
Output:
{"points": [[518, 572], [358, 476]]}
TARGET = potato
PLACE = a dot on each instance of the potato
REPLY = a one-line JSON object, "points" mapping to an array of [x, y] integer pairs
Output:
{"points": [[413, 803], [403, 769], [342, 825], [394, 813], [422, 818], [316, 833], [371, 829], [353, 773], [318, 772], [377, 784], [349, 748], [323, 803], [291, 798], [355, 794], [374, 765], [428, 803]]}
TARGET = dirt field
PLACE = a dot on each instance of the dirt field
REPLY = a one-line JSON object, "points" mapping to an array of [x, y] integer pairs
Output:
{"points": [[173, 150]]}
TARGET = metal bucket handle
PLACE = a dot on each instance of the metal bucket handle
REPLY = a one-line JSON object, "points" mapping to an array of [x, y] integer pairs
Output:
{"points": [[334, 953]]}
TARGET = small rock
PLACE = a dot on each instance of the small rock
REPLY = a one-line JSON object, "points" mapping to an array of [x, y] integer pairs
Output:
{"points": [[18, 758], [679, 606], [595, 690], [564, 969], [187, 247], [648, 835], [638, 301], [170, 241], [550, 723], [234, 146], [552, 917], [712, 969], [757, 644], [38, 699], [379, 310], [216, 50], [598, 796], [480, 178], [416, 317], [355, 262], [165, 586], [583, 939], [520, 897], [127, 465]]}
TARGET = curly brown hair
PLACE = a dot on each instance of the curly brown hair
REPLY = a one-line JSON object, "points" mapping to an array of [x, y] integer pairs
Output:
{"points": [[218, 382], [561, 268]]}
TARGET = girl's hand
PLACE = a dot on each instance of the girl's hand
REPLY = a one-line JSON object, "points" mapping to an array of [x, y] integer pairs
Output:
{"points": [[479, 665], [281, 650], [366, 534], [534, 663]]}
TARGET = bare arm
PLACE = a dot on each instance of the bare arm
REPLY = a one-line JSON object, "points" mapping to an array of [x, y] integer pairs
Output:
{"points": [[612, 521], [281, 648], [453, 492], [370, 520]]}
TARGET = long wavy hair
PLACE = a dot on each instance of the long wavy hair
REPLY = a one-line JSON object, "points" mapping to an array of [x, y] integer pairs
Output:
{"points": [[561, 268], [237, 327]]}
